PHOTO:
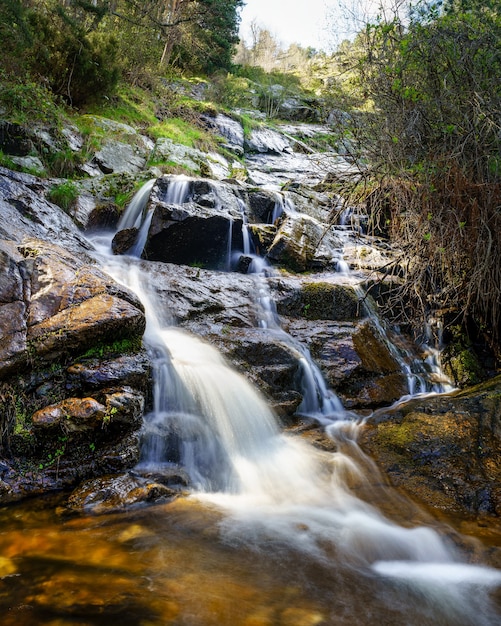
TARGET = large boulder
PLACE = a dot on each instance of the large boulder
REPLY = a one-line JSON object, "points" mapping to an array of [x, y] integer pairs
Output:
{"points": [[116, 157], [54, 304], [444, 451], [231, 130], [74, 378], [199, 223], [302, 243]]}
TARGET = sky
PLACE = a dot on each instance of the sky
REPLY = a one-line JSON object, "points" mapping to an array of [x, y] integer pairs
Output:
{"points": [[289, 21], [321, 24]]}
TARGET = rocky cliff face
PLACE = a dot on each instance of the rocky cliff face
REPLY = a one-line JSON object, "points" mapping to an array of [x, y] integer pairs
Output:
{"points": [[75, 380], [73, 376]]}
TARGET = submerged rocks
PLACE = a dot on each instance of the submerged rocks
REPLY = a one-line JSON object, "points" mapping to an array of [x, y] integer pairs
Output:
{"points": [[111, 494]]}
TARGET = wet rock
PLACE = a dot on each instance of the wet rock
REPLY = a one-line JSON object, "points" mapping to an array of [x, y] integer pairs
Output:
{"points": [[124, 240], [191, 236], [87, 375], [62, 419], [319, 300], [72, 415], [300, 244], [231, 130], [71, 305], [262, 205], [197, 230], [24, 213], [202, 299], [307, 169], [269, 362], [83, 208], [359, 379], [75, 418], [98, 319], [445, 450], [263, 236], [264, 140], [110, 494], [98, 217], [73, 440]]}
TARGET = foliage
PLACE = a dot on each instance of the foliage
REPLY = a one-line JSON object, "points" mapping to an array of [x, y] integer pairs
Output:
{"points": [[433, 147], [79, 49], [25, 101], [114, 349], [64, 195]]}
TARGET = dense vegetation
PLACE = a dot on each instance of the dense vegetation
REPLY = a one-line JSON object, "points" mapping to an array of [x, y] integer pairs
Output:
{"points": [[80, 48], [419, 97], [432, 146]]}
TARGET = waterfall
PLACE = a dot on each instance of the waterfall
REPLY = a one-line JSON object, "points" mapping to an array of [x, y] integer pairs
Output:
{"points": [[422, 377], [178, 190], [133, 215], [137, 216], [318, 402], [275, 489]]}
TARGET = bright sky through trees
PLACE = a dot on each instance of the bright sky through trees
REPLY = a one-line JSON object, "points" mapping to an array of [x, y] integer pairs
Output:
{"points": [[321, 24], [289, 21]]}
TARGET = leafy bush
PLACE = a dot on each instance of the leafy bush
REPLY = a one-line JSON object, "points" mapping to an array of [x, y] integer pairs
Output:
{"points": [[433, 147]]}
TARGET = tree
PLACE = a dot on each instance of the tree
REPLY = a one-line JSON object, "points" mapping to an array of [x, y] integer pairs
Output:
{"points": [[434, 150]]}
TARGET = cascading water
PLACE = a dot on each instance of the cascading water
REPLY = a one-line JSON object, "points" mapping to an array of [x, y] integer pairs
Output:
{"points": [[423, 377], [133, 217], [318, 402], [277, 491]]}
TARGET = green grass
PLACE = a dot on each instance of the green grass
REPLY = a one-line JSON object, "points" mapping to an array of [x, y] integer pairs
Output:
{"points": [[6, 161], [64, 195], [130, 105], [183, 132]]}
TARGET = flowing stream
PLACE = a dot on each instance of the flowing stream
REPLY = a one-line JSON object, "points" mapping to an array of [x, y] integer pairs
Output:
{"points": [[277, 492], [275, 531]]}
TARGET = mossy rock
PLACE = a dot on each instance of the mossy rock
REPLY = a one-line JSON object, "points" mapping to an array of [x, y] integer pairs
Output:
{"points": [[325, 301], [444, 450], [461, 363]]}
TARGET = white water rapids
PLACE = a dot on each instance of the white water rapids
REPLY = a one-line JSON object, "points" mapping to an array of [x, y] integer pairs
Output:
{"points": [[277, 490]]}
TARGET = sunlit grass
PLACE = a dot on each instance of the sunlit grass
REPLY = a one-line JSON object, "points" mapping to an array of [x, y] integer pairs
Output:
{"points": [[181, 131]]}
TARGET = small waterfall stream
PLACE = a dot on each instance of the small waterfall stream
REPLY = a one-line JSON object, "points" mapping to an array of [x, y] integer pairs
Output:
{"points": [[276, 490]]}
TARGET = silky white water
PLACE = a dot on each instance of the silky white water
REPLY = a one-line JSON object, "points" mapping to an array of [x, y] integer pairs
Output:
{"points": [[276, 490]]}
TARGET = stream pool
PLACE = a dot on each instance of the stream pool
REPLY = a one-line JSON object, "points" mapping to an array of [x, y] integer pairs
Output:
{"points": [[170, 564]]}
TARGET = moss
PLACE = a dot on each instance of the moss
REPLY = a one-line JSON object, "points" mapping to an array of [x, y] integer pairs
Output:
{"points": [[398, 436], [117, 348], [320, 300], [460, 361]]}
